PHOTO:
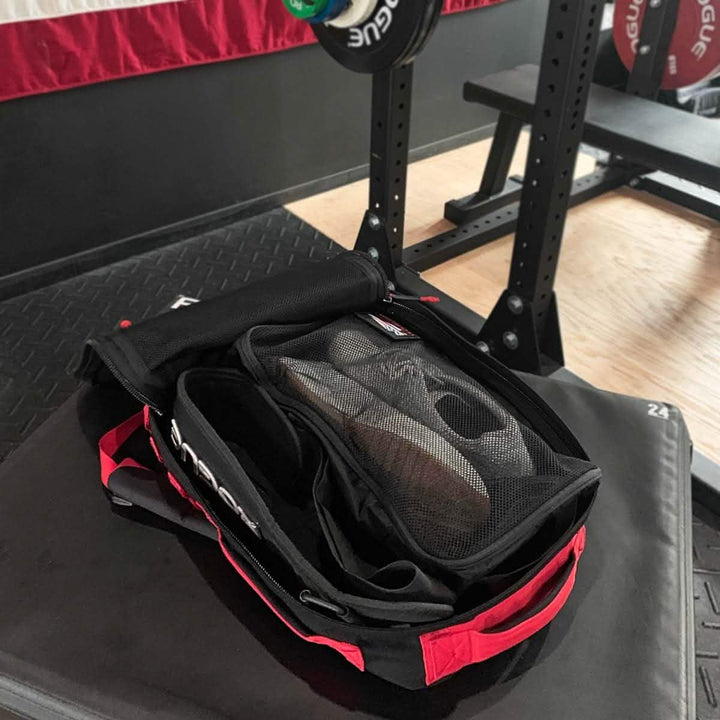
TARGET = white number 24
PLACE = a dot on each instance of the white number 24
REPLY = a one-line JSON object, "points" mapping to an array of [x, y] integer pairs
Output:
{"points": [[658, 411]]}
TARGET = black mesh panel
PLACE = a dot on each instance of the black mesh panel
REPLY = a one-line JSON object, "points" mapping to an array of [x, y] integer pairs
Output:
{"points": [[458, 469]]}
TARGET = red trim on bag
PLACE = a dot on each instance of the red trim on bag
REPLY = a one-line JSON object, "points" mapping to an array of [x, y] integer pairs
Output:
{"points": [[146, 418], [113, 440], [448, 650], [351, 653]]}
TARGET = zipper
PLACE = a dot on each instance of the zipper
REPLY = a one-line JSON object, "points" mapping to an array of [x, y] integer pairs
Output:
{"points": [[227, 532], [120, 377]]}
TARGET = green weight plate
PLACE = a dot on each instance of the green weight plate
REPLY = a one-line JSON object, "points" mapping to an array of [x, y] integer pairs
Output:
{"points": [[305, 9]]}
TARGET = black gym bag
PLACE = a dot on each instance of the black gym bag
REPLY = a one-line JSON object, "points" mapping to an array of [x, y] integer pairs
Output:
{"points": [[388, 489]]}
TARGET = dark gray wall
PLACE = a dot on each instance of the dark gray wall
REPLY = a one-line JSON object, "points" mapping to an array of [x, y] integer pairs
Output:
{"points": [[87, 167]]}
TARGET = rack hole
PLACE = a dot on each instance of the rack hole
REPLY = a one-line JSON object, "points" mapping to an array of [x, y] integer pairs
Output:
{"points": [[564, 7], [555, 62], [559, 35]]}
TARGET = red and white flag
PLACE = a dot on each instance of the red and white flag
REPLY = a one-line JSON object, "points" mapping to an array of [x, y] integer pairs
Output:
{"points": [[19, 10], [50, 45]]}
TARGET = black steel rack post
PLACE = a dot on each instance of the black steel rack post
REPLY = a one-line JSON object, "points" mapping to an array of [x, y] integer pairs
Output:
{"points": [[523, 328], [658, 26], [383, 226]]}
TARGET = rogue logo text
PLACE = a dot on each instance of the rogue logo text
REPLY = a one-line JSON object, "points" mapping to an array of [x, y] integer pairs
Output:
{"points": [[375, 28], [202, 471]]}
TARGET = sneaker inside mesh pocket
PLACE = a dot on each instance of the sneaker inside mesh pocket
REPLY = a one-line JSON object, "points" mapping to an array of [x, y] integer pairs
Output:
{"points": [[446, 456]]}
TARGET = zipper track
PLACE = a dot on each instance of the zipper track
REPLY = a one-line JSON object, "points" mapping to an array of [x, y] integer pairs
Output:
{"points": [[227, 532], [120, 377]]}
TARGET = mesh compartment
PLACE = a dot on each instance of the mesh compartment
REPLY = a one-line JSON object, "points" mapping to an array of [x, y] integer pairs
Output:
{"points": [[457, 468]]}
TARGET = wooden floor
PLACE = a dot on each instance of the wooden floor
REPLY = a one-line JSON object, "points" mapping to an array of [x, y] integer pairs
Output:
{"points": [[638, 283]]}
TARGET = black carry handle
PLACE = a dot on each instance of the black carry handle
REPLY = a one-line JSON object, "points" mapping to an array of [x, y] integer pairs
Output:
{"points": [[148, 357]]}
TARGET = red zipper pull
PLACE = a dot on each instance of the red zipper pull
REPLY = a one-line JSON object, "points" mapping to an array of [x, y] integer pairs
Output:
{"points": [[417, 298]]}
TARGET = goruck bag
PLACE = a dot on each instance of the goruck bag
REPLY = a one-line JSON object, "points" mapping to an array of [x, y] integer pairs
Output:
{"points": [[388, 489]]}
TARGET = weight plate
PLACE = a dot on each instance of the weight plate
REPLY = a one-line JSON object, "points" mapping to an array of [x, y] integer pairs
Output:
{"points": [[385, 40], [694, 53], [433, 16], [305, 9]]}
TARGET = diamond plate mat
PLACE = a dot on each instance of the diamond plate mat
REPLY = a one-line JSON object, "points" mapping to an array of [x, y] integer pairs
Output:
{"points": [[42, 334]]}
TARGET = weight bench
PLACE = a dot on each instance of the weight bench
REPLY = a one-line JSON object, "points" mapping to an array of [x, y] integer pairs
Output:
{"points": [[646, 134]]}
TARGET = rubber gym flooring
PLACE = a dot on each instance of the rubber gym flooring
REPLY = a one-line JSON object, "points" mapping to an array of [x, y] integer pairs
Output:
{"points": [[42, 334]]}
